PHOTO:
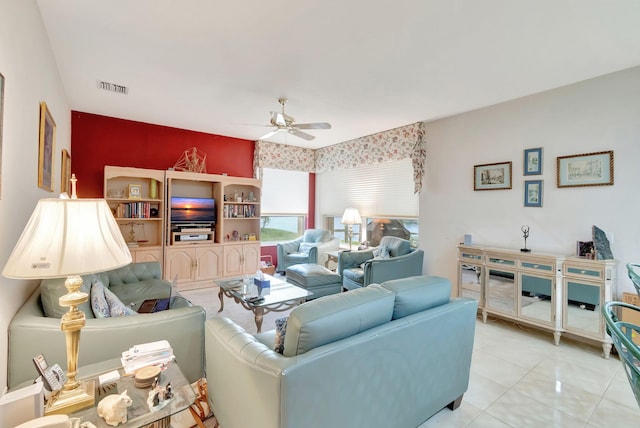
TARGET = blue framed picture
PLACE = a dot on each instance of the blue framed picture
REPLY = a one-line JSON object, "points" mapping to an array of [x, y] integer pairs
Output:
{"points": [[533, 161], [533, 193]]}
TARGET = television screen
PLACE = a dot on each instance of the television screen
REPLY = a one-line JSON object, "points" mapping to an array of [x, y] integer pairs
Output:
{"points": [[193, 210]]}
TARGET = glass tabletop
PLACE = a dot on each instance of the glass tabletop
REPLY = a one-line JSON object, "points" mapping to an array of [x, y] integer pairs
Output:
{"points": [[138, 414], [279, 291]]}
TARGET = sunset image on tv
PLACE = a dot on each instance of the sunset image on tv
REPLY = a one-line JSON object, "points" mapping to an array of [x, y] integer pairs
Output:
{"points": [[187, 210]]}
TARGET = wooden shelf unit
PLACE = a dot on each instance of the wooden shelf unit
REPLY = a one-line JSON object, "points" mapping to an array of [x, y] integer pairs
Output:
{"points": [[141, 220]]}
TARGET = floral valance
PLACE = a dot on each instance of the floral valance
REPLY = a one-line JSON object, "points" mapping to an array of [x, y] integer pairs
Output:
{"points": [[282, 156], [395, 144]]}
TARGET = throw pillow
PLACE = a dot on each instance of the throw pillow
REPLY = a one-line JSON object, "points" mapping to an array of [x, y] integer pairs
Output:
{"points": [[98, 301], [105, 303], [281, 330], [116, 307], [305, 247]]}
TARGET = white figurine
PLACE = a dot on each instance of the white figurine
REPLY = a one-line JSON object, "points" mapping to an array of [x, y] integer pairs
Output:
{"points": [[113, 408]]}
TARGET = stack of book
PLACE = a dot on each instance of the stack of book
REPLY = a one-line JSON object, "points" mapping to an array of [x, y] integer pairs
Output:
{"points": [[147, 354]]}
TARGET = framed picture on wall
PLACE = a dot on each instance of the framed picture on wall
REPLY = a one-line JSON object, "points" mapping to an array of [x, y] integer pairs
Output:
{"points": [[533, 193], [589, 169], [533, 161], [46, 145], [492, 176], [1, 115], [65, 171]]}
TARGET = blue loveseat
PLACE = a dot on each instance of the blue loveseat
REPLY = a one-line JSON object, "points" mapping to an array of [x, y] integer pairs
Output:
{"points": [[35, 329], [393, 259], [384, 355]]}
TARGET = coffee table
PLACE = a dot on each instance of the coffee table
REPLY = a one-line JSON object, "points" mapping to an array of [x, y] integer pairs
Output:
{"points": [[279, 297]]}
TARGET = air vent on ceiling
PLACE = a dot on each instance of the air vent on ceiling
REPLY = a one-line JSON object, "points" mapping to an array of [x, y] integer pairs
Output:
{"points": [[112, 87]]}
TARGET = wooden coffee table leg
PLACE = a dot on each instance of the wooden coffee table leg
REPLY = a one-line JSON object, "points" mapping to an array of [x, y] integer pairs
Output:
{"points": [[259, 313], [221, 296]]}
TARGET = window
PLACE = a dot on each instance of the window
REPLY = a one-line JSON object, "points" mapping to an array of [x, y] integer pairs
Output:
{"points": [[285, 196], [374, 229]]}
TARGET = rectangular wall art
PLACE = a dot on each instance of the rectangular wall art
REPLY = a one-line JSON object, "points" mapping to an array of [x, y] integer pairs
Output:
{"points": [[589, 169]]}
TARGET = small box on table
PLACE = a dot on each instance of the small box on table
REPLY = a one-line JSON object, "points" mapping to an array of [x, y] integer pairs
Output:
{"points": [[263, 285]]}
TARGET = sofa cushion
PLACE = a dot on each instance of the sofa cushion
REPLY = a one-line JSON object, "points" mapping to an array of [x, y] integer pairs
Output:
{"points": [[354, 274], [52, 289], [418, 293], [142, 290], [335, 317]]}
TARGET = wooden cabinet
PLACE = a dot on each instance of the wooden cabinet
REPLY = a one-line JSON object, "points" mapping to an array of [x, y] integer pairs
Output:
{"points": [[136, 198], [241, 259], [193, 266], [561, 294], [232, 241]]}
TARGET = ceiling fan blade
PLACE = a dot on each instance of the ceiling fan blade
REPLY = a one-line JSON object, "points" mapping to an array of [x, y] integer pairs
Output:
{"points": [[320, 125], [269, 134], [301, 134]]}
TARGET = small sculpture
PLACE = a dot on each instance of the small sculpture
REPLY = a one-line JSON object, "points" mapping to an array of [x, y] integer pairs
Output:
{"points": [[113, 408], [525, 234]]}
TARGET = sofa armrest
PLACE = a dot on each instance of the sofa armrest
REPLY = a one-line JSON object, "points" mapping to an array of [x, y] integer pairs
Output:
{"points": [[352, 259], [31, 333], [377, 271]]}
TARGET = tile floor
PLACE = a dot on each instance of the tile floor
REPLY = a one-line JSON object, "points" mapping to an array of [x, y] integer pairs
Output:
{"points": [[519, 378]]}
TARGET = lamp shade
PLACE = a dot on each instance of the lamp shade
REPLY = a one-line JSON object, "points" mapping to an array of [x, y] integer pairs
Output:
{"points": [[351, 216], [68, 237]]}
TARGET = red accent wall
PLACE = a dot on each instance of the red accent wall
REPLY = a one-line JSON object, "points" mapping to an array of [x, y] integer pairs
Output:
{"points": [[97, 141], [311, 212]]}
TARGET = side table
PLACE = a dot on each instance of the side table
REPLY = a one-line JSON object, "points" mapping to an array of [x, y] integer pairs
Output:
{"points": [[138, 414]]}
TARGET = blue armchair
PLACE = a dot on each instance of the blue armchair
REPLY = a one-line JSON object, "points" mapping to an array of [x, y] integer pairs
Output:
{"points": [[312, 247], [393, 259]]}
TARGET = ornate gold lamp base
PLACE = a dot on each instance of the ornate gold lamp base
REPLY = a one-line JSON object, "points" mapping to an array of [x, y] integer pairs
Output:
{"points": [[74, 395], [67, 402]]}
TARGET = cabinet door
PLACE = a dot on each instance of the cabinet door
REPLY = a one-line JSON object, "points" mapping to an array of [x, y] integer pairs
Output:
{"points": [[500, 293], [208, 263], [233, 256], [582, 306], [537, 301], [180, 265], [470, 281], [251, 258]]}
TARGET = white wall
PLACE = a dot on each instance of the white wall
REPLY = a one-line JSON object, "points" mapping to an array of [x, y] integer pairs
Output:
{"points": [[31, 76], [596, 115]]}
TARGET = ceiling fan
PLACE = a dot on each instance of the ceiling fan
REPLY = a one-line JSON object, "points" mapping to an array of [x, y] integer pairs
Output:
{"points": [[284, 122]]}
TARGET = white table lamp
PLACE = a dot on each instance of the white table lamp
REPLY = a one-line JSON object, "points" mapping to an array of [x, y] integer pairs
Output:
{"points": [[350, 217], [69, 238]]}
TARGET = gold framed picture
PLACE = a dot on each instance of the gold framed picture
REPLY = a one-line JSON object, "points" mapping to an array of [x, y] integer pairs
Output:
{"points": [[135, 191], [65, 171], [492, 176], [46, 146], [588, 169]]}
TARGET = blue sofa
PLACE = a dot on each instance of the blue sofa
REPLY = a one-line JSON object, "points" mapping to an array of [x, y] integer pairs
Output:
{"points": [[35, 329], [393, 259], [386, 355]]}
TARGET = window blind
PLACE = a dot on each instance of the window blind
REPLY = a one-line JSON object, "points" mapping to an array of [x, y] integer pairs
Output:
{"points": [[284, 192], [384, 190]]}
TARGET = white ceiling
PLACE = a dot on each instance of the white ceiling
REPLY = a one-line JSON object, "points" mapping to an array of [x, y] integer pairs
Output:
{"points": [[364, 66]]}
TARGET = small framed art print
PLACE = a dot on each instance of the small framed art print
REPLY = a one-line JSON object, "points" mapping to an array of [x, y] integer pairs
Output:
{"points": [[533, 161], [135, 191], [492, 176], [533, 193]]}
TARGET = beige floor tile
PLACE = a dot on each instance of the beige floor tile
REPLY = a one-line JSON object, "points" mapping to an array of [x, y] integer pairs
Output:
{"points": [[609, 414], [567, 398], [620, 391], [483, 391], [499, 370], [487, 421], [518, 410], [446, 418]]}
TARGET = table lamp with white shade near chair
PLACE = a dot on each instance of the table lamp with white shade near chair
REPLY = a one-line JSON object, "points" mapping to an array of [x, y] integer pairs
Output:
{"points": [[350, 217], [66, 238]]}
